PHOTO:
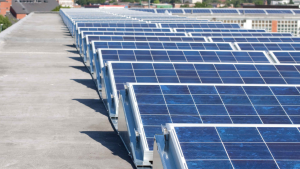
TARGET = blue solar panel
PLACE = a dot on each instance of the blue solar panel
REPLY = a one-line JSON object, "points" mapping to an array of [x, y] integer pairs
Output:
{"points": [[199, 11], [144, 38], [169, 10], [158, 104], [224, 25], [287, 57], [126, 29], [183, 22], [268, 46], [84, 33], [254, 11], [142, 25], [296, 11], [234, 146], [218, 30], [224, 11], [279, 11], [246, 34], [233, 39], [163, 45], [143, 10], [203, 73], [182, 56]]}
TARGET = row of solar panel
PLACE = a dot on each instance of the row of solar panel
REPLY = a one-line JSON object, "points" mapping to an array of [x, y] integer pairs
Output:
{"points": [[223, 11]]}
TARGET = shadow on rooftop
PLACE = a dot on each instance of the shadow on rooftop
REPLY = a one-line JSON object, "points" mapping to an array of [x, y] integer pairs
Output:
{"points": [[95, 104], [110, 140], [72, 46], [86, 82], [82, 68], [79, 59], [73, 51]]}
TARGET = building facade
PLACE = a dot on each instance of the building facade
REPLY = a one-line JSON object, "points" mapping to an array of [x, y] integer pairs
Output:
{"points": [[4, 6]]}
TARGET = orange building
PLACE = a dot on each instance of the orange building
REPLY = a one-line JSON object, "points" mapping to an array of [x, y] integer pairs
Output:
{"points": [[4, 6]]}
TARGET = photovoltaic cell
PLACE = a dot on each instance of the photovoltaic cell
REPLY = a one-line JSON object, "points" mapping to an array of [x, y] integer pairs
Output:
{"points": [[239, 147], [209, 104]]}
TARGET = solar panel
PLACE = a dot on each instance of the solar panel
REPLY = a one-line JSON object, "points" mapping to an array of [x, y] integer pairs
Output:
{"points": [[197, 10], [84, 33], [246, 34], [125, 29], [231, 146], [169, 10], [181, 56], [286, 57], [143, 10], [159, 104], [184, 22], [137, 25], [227, 11], [90, 38], [250, 11], [268, 46], [296, 11], [279, 11], [265, 39], [204, 25], [188, 30]]}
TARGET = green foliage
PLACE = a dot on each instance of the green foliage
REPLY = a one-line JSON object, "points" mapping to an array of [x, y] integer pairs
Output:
{"points": [[291, 2], [156, 2], [58, 8], [175, 1], [202, 5], [184, 6], [259, 2], [269, 2], [5, 21]]}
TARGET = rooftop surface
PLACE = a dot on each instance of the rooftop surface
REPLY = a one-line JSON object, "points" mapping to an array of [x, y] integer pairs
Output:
{"points": [[50, 113]]}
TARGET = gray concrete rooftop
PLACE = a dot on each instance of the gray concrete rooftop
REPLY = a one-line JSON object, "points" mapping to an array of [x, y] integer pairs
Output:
{"points": [[51, 116]]}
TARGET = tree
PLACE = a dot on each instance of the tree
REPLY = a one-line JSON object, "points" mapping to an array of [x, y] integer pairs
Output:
{"points": [[58, 8], [291, 2], [201, 5], [269, 2], [259, 2], [156, 2], [5, 21]]}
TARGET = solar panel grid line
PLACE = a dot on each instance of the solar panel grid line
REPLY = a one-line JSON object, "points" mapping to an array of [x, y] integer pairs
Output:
{"points": [[141, 25]]}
